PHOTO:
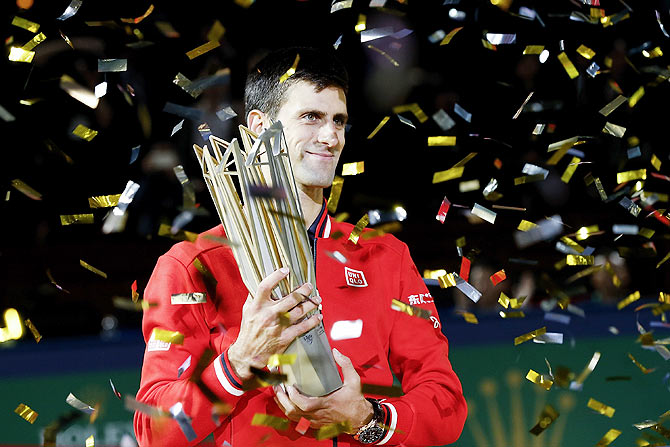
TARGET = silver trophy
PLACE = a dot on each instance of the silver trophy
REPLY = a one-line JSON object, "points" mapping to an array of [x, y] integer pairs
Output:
{"points": [[266, 230]]}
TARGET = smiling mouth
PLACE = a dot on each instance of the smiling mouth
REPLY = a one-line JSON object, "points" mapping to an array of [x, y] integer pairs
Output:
{"points": [[321, 154]]}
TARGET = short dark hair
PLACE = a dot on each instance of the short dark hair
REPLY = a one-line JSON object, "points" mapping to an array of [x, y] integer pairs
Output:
{"points": [[264, 92]]}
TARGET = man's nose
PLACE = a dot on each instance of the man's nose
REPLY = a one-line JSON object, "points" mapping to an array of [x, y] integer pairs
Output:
{"points": [[329, 135]]}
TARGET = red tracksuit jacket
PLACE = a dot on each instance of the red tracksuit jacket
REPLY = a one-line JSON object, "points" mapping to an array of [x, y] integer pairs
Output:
{"points": [[432, 410]]}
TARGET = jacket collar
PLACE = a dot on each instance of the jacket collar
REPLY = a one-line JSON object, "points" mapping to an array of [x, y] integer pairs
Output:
{"points": [[320, 228]]}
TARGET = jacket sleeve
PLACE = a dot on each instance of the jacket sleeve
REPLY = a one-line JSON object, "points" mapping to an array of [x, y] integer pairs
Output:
{"points": [[160, 385], [432, 410]]}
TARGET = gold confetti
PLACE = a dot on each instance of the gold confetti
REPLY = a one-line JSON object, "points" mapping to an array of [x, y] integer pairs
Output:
{"points": [[168, 336], [84, 132], [181, 235], [270, 421], [332, 430], [629, 299], [13, 329], [466, 159], [69, 219], [442, 141], [533, 49], [449, 174], [635, 97], [32, 43], [512, 314], [447, 280], [586, 232], [360, 25], [104, 201], [639, 365], [567, 65], [656, 52], [610, 436], [26, 413], [586, 272], [665, 258], [547, 417], [25, 24], [450, 36], [358, 229], [539, 380], [17, 54], [140, 18], [281, 359], [570, 169], [646, 232], [216, 32], [410, 310], [613, 105], [291, 71], [354, 168], [627, 176], [601, 408], [529, 336], [469, 317], [36, 334], [335, 192], [379, 126], [586, 52], [656, 163], [558, 155], [434, 274], [25, 189], [579, 260], [525, 225], [92, 269], [414, 108], [572, 244], [90, 441], [528, 179], [202, 49], [383, 53]]}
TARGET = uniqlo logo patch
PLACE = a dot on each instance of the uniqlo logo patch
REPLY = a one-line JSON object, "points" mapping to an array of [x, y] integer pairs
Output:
{"points": [[355, 278]]}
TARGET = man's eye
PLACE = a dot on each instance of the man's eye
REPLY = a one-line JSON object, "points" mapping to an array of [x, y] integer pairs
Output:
{"points": [[311, 117]]}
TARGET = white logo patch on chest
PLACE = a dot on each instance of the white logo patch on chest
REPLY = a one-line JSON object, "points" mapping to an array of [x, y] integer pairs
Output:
{"points": [[355, 278]]}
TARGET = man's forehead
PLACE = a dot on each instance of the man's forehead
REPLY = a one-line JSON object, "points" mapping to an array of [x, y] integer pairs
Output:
{"points": [[306, 94]]}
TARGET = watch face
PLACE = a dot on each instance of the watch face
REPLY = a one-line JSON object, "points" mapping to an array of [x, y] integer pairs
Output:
{"points": [[372, 434]]}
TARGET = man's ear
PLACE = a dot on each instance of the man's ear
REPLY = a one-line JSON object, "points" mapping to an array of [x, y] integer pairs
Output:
{"points": [[257, 121]]}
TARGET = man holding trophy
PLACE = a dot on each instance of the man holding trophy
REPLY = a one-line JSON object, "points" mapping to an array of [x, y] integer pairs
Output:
{"points": [[238, 321]]}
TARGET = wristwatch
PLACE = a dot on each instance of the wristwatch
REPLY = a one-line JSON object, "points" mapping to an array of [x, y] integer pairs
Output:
{"points": [[372, 431]]}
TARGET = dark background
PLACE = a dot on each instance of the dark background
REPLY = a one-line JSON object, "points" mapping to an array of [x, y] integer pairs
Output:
{"points": [[490, 84]]}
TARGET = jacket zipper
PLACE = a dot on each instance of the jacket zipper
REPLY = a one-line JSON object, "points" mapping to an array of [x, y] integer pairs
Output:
{"points": [[314, 253]]}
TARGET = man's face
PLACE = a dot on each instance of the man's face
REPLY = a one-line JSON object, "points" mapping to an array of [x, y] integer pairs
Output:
{"points": [[314, 129]]}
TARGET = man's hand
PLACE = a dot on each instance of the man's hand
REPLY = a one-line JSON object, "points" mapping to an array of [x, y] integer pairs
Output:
{"points": [[344, 405], [261, 332]]}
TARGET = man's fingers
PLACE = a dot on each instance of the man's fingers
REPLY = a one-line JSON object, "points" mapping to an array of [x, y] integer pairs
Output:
{"points": [[266, 286], [300, 310], [300, 328], [292, 299], [304, 403], [286, 405], [348, 371]]}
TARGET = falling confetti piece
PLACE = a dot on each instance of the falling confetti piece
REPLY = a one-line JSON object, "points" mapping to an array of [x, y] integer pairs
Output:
{"points": [[291, 71], [27, 413]]}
